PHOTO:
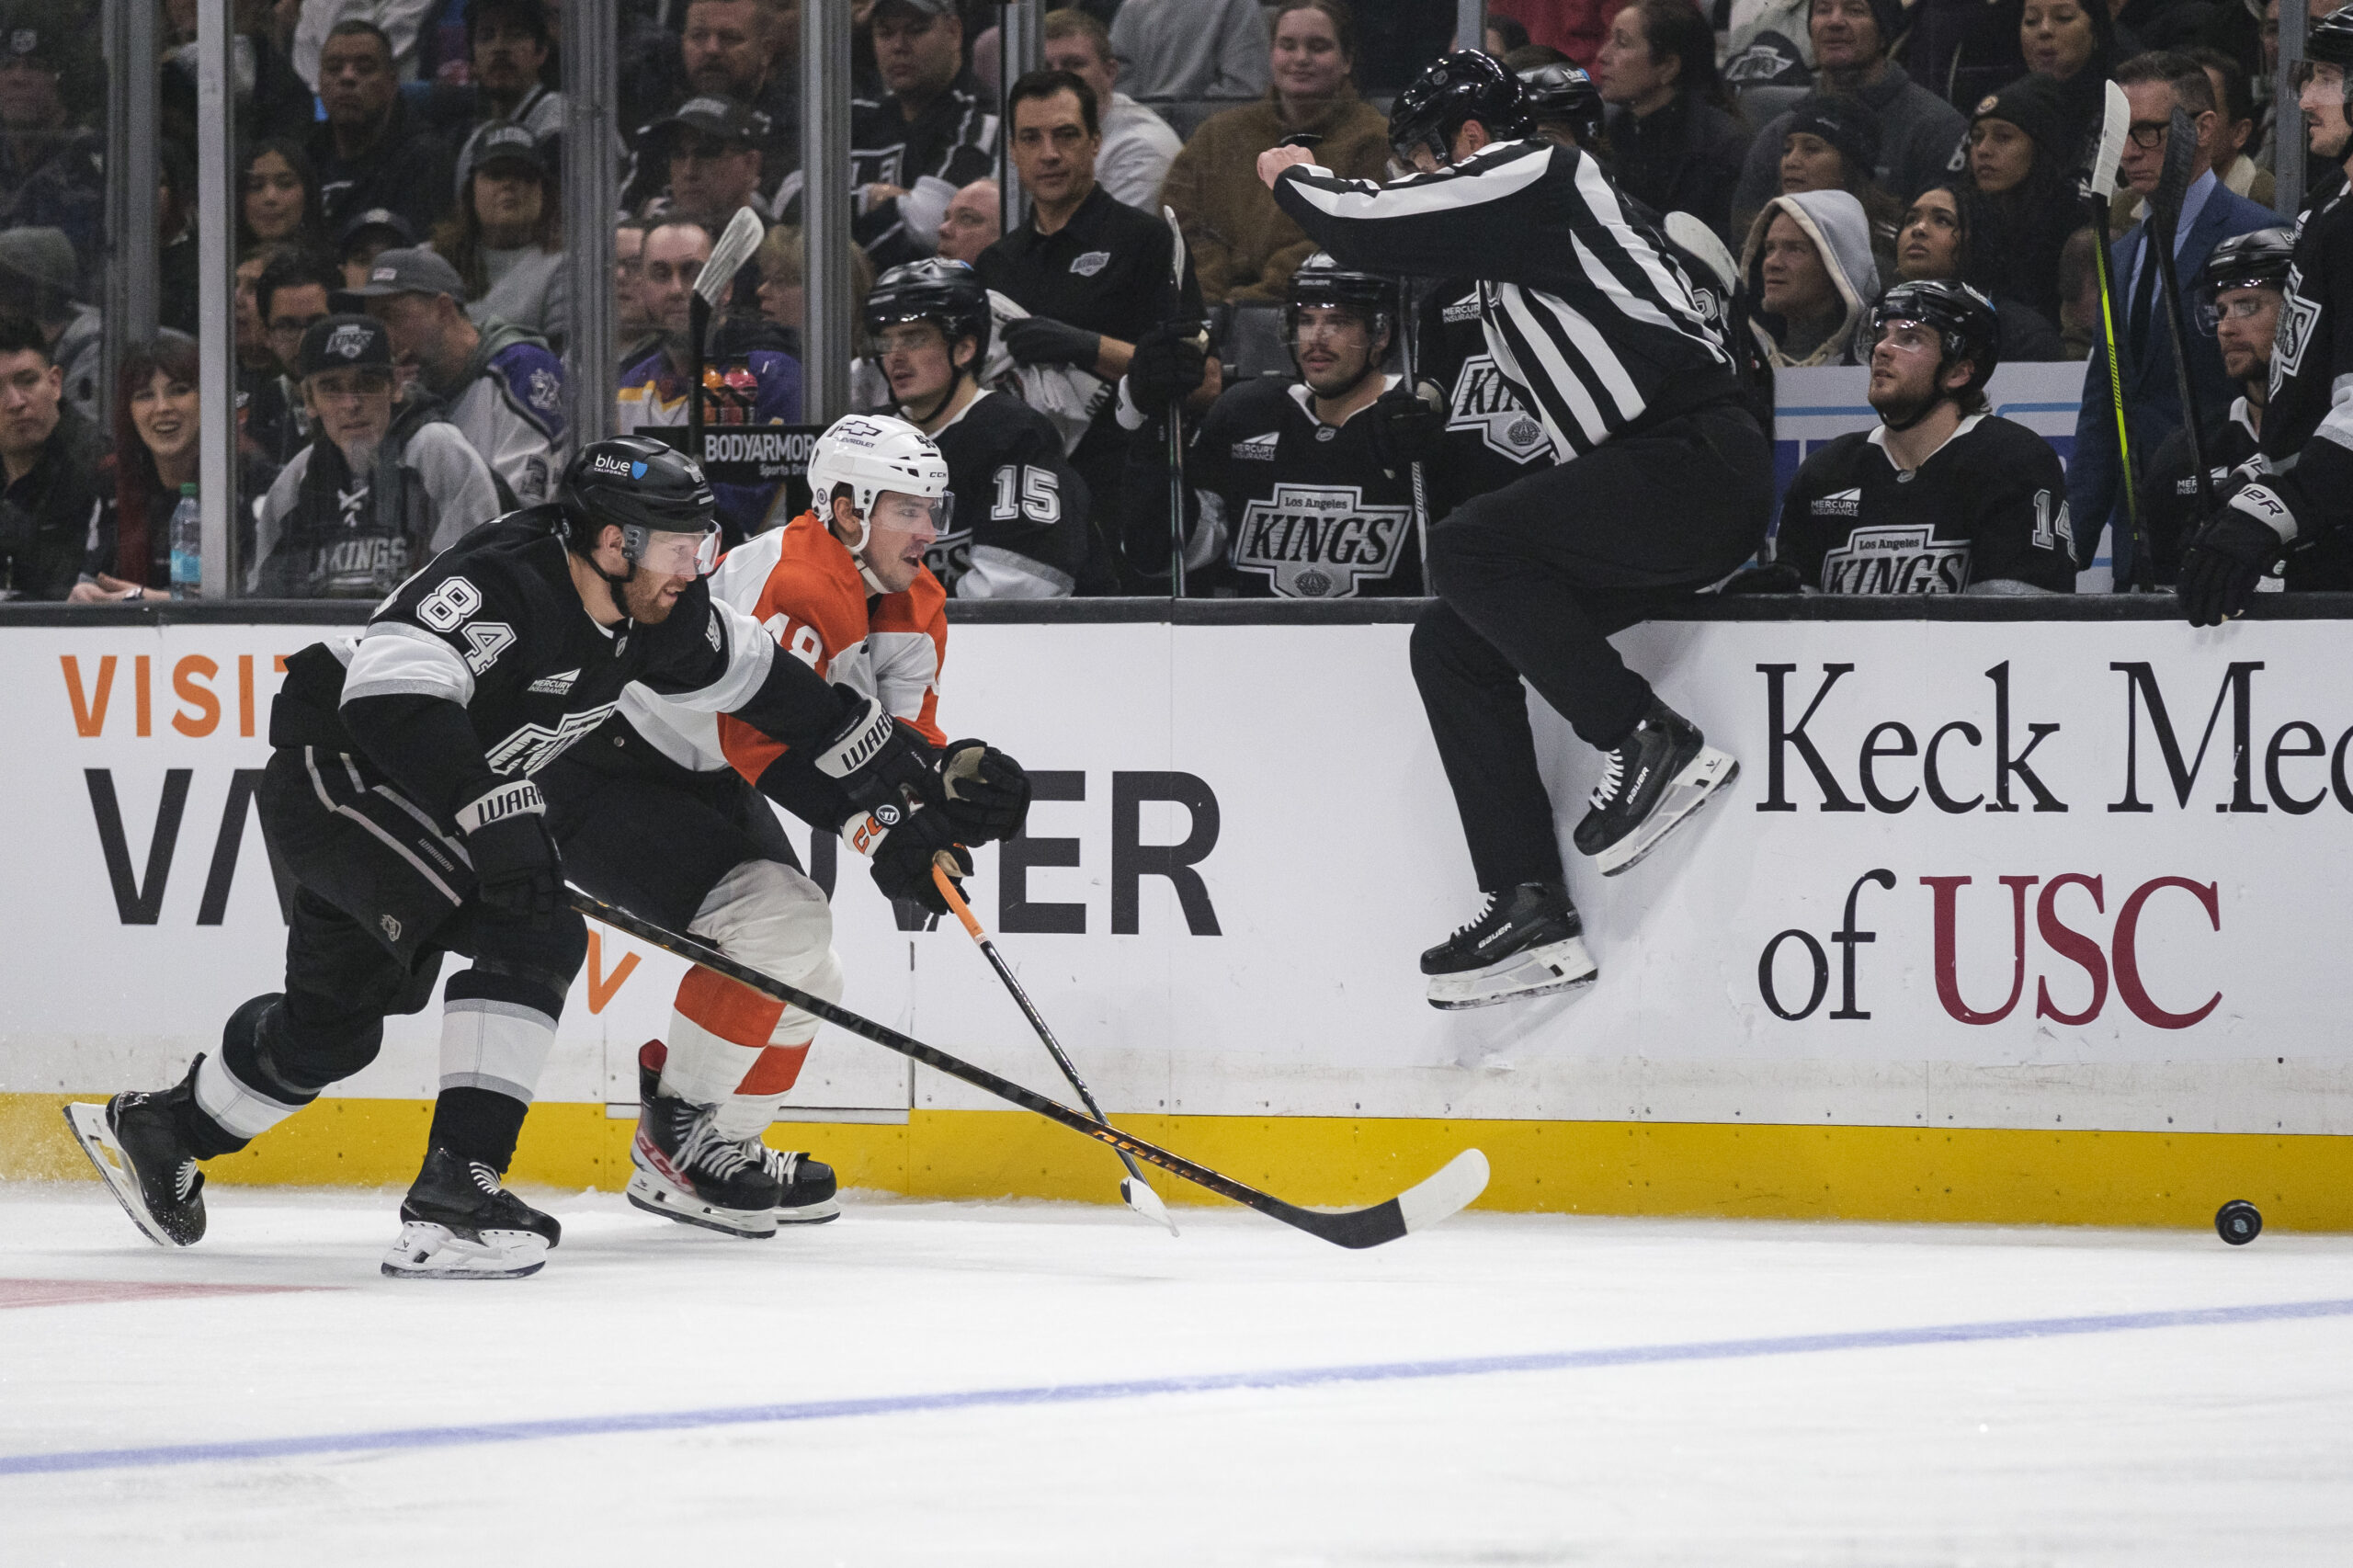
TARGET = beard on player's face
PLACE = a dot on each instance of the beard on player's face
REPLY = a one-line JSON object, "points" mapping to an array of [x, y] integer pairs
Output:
{"points": [[648, 598]]}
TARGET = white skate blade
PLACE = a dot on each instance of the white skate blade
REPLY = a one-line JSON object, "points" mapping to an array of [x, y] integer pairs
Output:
{"points": [[90, 1129], [649, 1192], [1697, 784], [1452, 1189], [815, 1213], [1534, 971], [1138, 1195], [427, 1251]]}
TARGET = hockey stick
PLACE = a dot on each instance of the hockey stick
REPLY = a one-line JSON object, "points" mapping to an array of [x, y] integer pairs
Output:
{"points": [[1417, 1208], [1134, 1191], [728, 254], [2115, 119], [1176, 418], [1409, 334], [2164, 220]]}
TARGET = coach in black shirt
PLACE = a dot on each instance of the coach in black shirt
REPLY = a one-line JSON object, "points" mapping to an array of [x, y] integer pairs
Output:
{"points": [[1093, 273]]}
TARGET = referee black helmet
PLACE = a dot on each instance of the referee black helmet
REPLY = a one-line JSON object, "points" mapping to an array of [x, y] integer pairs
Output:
{"points": [[1450, 93]]}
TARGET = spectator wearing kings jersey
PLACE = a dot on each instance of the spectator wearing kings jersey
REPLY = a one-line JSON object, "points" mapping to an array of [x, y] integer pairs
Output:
{"points": [[373, 498], [1943, 496], [928, 135]]}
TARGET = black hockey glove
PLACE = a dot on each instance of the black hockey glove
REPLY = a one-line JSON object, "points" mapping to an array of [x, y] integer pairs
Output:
{"points": [[1041, 340], [988, 794], [1773, 577], [517, 869], [2224, 561], [1409, 426], [883, 766], [903, 861], [1167, 365]]}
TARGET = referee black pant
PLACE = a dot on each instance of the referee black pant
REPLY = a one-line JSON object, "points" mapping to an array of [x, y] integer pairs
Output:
{"points": [[1531, 581]]}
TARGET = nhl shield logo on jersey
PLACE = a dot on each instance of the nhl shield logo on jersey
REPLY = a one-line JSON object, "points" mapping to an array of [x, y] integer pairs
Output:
{"points": [[1317, 541], [1483, 403]]}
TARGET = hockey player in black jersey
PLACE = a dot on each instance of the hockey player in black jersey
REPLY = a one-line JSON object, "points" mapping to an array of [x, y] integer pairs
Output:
{"points": [[1943, 496], [1018, 529], [399, 799], [2297, 498], [1299, 498], [2242, 287], [1661, 483]]}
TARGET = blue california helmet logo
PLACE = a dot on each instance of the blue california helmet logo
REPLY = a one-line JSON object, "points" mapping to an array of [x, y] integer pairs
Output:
{"points": [[637, 470]]}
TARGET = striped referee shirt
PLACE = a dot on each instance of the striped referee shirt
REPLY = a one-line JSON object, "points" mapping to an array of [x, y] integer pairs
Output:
{"points": [[1587, 314]]}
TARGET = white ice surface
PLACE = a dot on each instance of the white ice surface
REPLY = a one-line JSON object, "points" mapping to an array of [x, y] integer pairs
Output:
{"points": [[2225, 1444]]}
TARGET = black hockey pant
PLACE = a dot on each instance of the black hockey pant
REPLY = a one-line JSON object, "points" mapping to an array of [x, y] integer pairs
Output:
{"points": [[381, 893], [1531, 581]]}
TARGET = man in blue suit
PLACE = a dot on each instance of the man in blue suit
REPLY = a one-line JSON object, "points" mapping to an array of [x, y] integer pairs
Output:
{"points": [[2154, 85]]}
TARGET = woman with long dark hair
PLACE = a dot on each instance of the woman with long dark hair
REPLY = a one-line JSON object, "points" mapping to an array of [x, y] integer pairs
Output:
{"points": [[278, 196], [2073, 44], [506, 234], [1680, 143], [1934, 245], [2018, 199]]}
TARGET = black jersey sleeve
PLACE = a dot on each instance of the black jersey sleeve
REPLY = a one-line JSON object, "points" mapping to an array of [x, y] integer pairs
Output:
{"points": [[2020, 532], [712, 657], [2169, 509]]}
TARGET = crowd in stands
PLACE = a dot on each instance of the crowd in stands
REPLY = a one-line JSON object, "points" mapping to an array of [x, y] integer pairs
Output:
{"points": [[401, 309]]}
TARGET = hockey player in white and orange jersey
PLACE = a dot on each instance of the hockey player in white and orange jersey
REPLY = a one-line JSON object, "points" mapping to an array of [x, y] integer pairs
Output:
{"points": [[844, 589]]}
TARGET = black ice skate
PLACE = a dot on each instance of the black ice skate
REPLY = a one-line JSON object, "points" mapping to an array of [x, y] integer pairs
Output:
{"points": [[686, 1172], [458, 1222], [805, 1187], [136, 1144], [1656, 778], [1528, 942]]}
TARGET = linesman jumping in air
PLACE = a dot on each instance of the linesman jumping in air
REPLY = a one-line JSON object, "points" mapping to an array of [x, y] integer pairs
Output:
{"points": [[1660, 483]]}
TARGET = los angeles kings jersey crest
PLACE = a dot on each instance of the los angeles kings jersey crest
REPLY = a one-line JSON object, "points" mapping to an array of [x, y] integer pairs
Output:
{"points": [[1305, 508]]}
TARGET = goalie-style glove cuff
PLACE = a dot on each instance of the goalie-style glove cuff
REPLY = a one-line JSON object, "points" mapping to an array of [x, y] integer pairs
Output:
{"points": [[2265, 506], [519, 799]]}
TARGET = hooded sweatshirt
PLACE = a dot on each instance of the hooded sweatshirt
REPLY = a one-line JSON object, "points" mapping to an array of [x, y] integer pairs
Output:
{"points": [[1834, 221]]}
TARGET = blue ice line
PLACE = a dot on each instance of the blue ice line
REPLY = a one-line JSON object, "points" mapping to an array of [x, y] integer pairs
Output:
{"points": [[407, 1438]]}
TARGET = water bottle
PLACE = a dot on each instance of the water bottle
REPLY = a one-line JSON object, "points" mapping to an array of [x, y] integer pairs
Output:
{"points": [[188, 546]]}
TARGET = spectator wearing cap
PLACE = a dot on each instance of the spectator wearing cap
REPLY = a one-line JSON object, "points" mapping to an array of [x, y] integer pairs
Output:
{"points": [[974, 222], [508, 46], [156, 408], [1678, 144], [653, 391], [1918, 130], [1245, 246], [1192, 48], [49, 471], [2155, 85], [295, 289], [1809, 278], [505, 237], [1833, 144], [378, 491], [2018, 197], [51, 171], [366, 236], [278, 195], [368, 152], [1137, 146], [39, 276], [928, 133], [1932, 245], [499, 384], [703, 159]]}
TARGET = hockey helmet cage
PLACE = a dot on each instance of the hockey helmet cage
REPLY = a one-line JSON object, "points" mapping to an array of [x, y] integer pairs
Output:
{"points": [[1320, 281], [1453, 90], [1964, 320], [2257, 259], [1564, 95], [873, 453], [948, 293], [643, 487]]}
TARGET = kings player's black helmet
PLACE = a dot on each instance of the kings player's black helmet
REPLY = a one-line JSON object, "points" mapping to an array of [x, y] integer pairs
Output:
{"points": [[1320, 281], [1455, 88], [948, 293], [1566, 96], [1963, 319], [639, 485]]}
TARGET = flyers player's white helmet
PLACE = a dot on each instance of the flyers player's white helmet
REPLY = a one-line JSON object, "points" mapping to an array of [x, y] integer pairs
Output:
{"points": [[873, 453]]}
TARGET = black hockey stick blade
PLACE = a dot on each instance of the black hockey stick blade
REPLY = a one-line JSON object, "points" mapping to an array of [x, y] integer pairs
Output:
{"points": [[1418, 1208], [2173, 180]]}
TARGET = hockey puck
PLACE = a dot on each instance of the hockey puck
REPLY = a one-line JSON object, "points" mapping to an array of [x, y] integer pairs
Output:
{"points": [[2238, 1221]]}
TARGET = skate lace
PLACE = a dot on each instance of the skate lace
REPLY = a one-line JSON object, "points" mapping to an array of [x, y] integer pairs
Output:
{"points": [[1613, 775], [1486, 912], [705, 1150], [485, 1178], [777, 1162], [184, 1180]]}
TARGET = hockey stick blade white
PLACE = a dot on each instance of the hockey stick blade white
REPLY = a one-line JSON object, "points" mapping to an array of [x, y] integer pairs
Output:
{"points": [[2115, 120], [1177, 256], [1452, 1189], [1137, 1194], [741, 238]]}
